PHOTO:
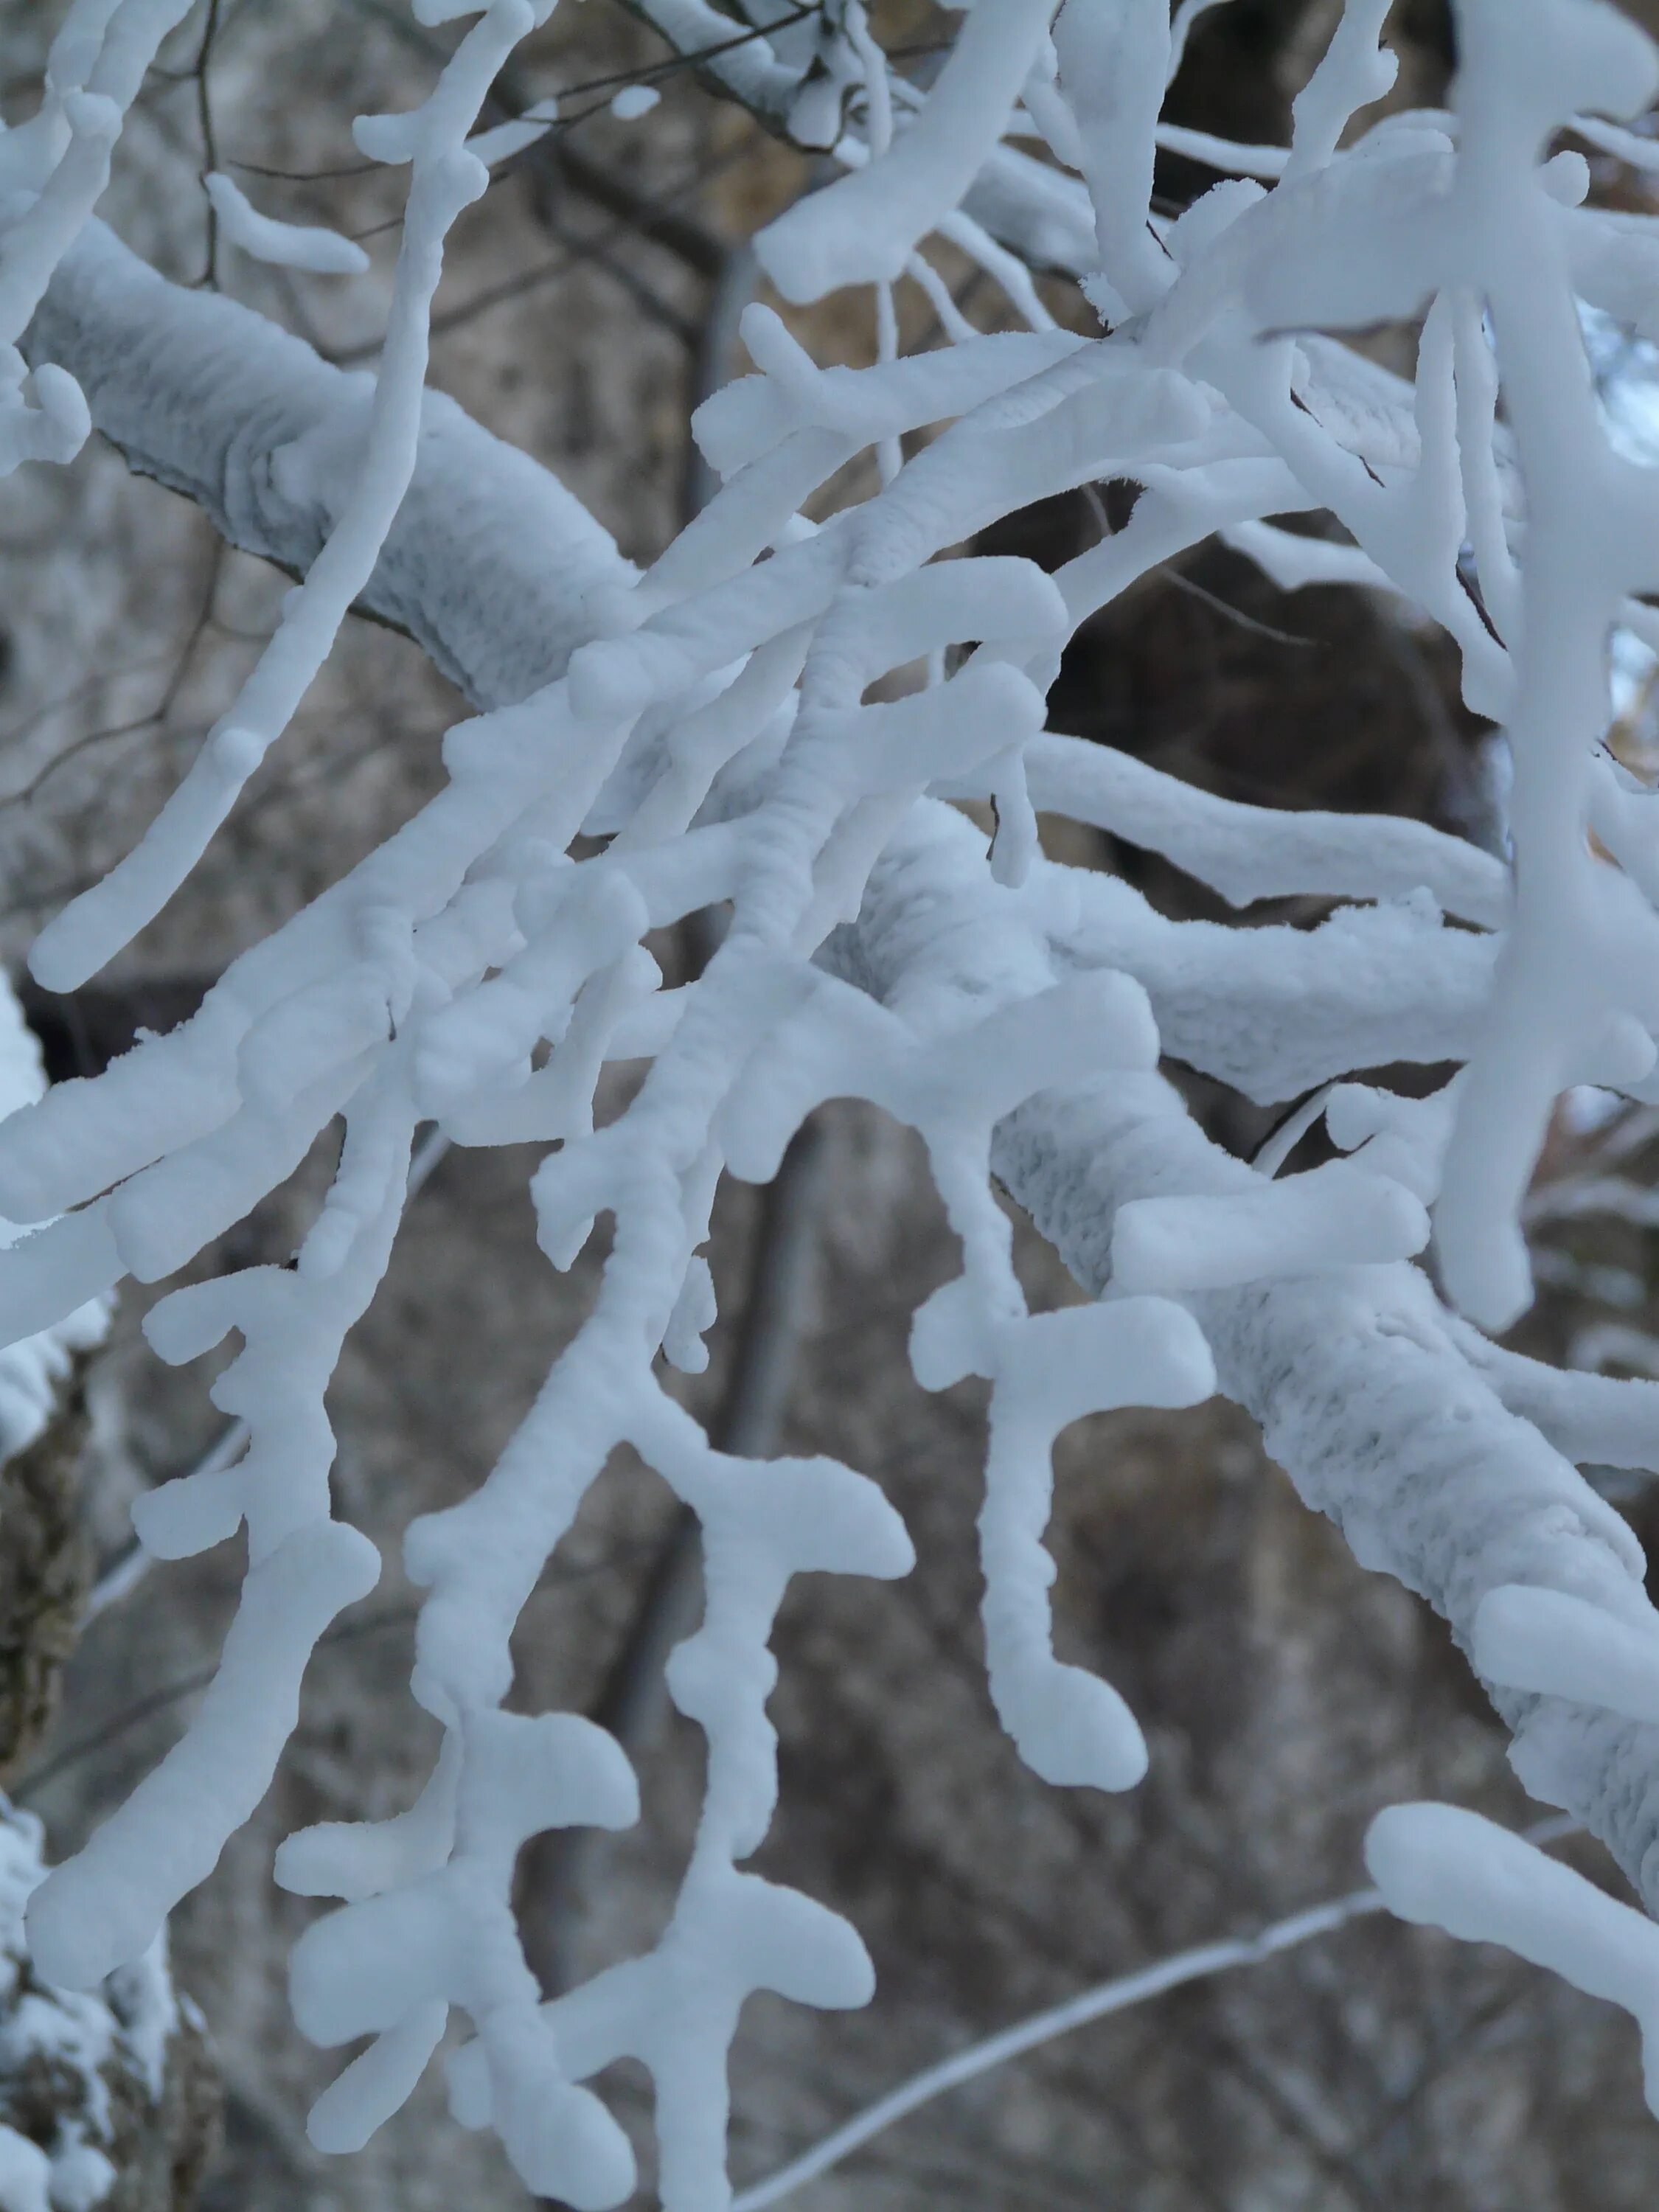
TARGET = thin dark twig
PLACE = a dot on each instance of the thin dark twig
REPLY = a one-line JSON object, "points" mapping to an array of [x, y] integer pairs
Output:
{"points": [[107, 735], [556, 131], [210, 144], [303, 176], [641, 218], [378, 229], [157, 714], [1225, 608], [65, 699], [648, 73], [1237, 616]]}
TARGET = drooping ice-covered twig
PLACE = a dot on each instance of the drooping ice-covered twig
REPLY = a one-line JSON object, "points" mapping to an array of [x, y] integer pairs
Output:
{"points": [[715, 722], [290, 246], [1452, 1869]]}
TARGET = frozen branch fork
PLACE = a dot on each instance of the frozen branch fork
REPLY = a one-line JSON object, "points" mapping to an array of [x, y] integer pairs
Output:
{"points": [[709, 719]]}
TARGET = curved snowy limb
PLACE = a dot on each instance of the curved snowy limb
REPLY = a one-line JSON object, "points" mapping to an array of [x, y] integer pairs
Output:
{"points": [[1275, 1011], [481, 942], [865, 226], [1249, 852], [373, 464], [102, 1908], [1484, 219], [1515, 252], [1362, 1391], [1447, 1867], [1116, 62]]}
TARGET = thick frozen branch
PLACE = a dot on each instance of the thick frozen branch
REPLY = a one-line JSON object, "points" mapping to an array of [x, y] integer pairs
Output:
{"points": [[1363, 1392], [1249, 852], [1360, 1386], [489, 558], [207, 397], [1276, 1009]]}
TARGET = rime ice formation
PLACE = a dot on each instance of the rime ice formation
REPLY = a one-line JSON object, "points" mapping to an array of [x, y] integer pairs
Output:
{"points": [[710, 719], [290, 245]]}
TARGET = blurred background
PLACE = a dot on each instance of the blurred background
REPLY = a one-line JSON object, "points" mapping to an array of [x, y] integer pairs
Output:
{"points": [[589, 299]]}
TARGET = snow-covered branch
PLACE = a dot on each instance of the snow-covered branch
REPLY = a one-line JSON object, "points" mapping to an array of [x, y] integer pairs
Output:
{"points": [[712, 720], [222, 405]]}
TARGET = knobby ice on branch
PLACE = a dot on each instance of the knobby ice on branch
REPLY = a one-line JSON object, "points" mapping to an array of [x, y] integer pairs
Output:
{"points": [[709, 721]]}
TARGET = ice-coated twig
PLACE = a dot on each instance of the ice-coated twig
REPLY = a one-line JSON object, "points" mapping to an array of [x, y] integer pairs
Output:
{"points": [[1446, 1868], [288, 245], [738, 724]]}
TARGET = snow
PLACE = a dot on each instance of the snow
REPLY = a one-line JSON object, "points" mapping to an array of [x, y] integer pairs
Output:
{"points": [[1562, 1646], [34, 1368], [25, 2173], [633, 102], [104, 1907], [288, 245], [1448, 1869], [1334, 1216], [1250, 853], [864, 228], [127, 2024], [747, 724]]}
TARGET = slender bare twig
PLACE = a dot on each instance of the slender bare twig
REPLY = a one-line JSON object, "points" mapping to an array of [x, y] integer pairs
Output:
{"points": [[655, 219], [1116, 1995], [1171, 575], [662, 223]]}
